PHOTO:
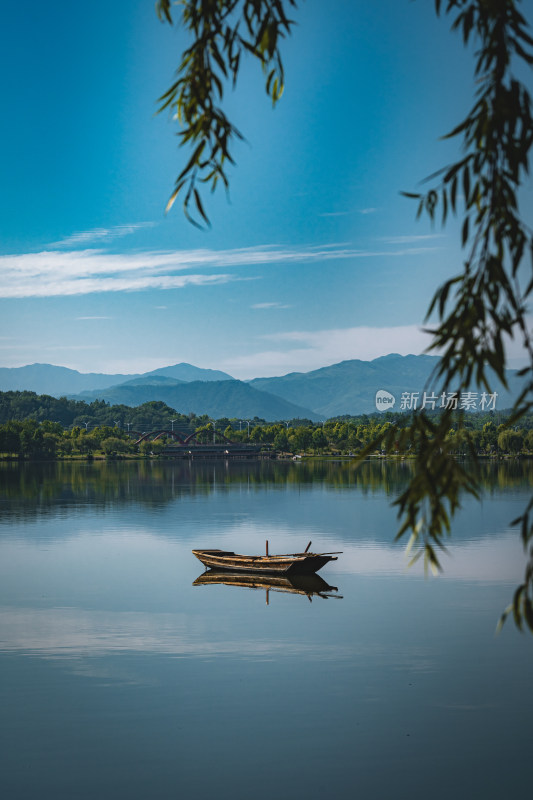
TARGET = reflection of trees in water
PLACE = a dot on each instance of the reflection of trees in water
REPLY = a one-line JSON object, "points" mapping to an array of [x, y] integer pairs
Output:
{"points": [[30, 488]]}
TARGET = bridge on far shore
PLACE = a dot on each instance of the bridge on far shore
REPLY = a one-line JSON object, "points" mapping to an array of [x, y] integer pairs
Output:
{"points": [[188, 446]]}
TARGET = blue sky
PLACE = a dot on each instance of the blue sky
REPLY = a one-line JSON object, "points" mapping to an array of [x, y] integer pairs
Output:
{"points": [[315, 259]]}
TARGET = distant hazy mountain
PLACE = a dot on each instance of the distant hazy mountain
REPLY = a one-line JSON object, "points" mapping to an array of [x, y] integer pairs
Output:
{"points": [[57, 381], [145, 380], [189, 373], [350, 387], [228, 398], [346, 388]]}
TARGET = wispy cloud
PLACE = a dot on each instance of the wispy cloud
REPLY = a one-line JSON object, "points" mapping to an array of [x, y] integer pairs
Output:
{"points": [[270, 305], [54, 273], [334, 214], [302, 351], [308, 350], [90, 318], [77, 272], [101, 234], [414, 239], [342, 340], [367, 210]]}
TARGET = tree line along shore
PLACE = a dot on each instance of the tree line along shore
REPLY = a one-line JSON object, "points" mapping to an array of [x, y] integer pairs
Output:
{"points": [[42, 427]]}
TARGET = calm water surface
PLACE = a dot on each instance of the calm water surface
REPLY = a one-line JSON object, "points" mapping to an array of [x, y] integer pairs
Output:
{"points": [[122, 679]]}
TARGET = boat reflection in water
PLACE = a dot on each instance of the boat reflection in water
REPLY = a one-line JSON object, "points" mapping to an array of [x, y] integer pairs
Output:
{"points": [[308, 585]]}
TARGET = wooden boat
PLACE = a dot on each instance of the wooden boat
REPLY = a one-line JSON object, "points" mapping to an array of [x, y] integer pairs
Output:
{"points": [[287, 564], [308, 585]]}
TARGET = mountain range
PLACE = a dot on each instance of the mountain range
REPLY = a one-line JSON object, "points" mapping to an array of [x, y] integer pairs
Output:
{"points": [[57, 381], [228, 398], [348, 387]]}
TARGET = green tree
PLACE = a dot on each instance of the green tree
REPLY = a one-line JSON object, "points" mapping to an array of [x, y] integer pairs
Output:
{"points": [[31, 439], [257, 435], [477, 308], [112, 445], [65, 445], [157, 447], [152, 448], [320, 440], [303, 436], [10, 438], [87, 443], [145, 447], [204, 433], [281, 441], [489, 437], [50, 444], [511, 441]]}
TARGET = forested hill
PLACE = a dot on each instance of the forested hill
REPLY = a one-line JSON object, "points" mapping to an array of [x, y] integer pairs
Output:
{"points": [[246, 403], [23, 406], [228, 398], [350, 387]]}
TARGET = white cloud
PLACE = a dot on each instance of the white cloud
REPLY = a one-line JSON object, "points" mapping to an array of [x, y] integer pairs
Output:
{"points": [[372, 339], [101, 234], [315, 349], [302, 351], [55, 273], [423, 237], [270, 305]]}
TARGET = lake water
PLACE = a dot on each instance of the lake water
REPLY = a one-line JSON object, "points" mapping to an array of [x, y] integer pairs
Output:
{"points": [[121, 679]]}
